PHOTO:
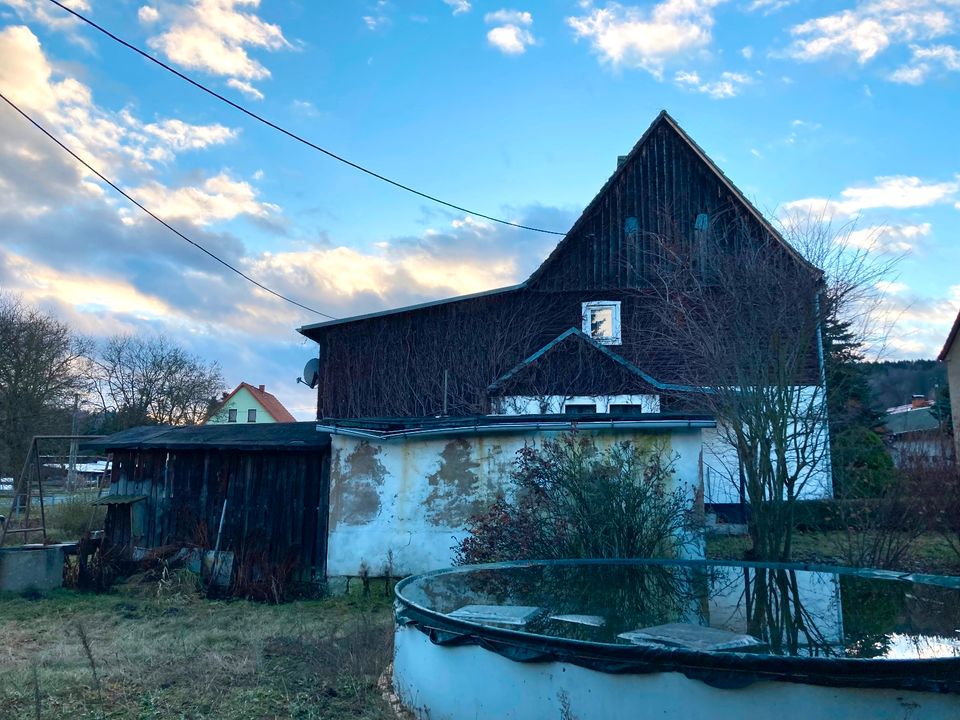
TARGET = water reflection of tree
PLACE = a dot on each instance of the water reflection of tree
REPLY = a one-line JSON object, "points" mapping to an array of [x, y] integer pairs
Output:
{"points": [[626, 596], [777, 615]]}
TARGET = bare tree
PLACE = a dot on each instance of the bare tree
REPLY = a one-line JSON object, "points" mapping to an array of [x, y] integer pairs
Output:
{"points": [[146, 381], [41, 367], [745, 315]]}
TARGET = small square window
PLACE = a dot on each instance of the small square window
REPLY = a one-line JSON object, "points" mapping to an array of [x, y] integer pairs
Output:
{"points": [[232, 415], [251, 415], [601, 321]]}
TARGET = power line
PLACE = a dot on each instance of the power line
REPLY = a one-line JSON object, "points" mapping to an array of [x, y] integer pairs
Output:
{"points": [[291, 134], [169, 227]]}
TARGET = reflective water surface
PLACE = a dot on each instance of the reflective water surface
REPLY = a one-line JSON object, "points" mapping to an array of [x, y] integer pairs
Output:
{"points": [[748, 609]]}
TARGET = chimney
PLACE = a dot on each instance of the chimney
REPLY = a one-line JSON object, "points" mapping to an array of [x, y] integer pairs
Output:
{"points": [[261, 388], [918, 401]]}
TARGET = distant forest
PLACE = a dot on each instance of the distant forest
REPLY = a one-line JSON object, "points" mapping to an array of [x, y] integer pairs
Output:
{"points": [[894, 383]]}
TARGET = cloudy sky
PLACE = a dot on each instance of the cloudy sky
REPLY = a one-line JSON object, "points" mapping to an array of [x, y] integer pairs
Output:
{"points": [[516, 110]]}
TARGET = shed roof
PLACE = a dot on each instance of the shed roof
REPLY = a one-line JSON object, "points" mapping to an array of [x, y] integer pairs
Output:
{"points": [[241, 436]]}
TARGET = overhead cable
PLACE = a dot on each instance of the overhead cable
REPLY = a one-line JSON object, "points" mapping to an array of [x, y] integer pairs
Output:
{"points": [[160, 220], [293, 135]]}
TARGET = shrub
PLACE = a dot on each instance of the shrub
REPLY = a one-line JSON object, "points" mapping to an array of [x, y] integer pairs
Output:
{"points": [[69, 519], [572, 499]]}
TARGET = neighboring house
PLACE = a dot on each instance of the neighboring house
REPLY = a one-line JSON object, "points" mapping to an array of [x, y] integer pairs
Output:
{"points": [[914, 432], [581, 335], [249, 404], [951, 356]]}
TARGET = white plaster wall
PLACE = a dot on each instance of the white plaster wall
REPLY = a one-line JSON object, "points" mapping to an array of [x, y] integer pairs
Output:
{"points": [[722, 465], [242, 402], [467, 682], [548, 404], [382, 498]]}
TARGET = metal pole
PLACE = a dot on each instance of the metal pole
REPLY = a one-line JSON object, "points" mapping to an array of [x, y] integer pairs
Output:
{"points": [[72, 468], [446, 376], [43, 517]]}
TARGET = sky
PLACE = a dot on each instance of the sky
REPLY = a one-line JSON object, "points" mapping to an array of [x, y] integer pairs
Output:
{"points": [[848, 109]]}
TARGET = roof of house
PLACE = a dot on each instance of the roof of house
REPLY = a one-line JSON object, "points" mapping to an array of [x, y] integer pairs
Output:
{"points": [[268, 402], [225, 436], [392, 428], [950, 338], [663, 118], [907, 419], [576, 335]]}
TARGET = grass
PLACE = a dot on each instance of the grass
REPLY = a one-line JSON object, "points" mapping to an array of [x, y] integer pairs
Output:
{"points": [[148, 653], [928, 554]]}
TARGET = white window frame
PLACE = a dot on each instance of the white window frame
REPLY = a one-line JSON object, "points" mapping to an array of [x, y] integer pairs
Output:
{"points": [[587, 313]]}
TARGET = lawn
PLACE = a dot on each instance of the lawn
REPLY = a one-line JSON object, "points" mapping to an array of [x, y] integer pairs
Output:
{"points": [[156, 650], [929, 553]]}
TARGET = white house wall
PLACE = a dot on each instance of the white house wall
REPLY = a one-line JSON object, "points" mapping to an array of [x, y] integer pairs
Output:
{"points": [[721, 463], [413, 497], [549, 404]]}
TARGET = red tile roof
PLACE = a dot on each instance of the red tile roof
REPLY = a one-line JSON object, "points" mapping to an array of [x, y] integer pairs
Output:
{"points": [[274, 407]]}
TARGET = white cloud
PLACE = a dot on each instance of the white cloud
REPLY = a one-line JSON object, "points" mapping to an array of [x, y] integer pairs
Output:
{"points": [[919, 325], [925, 60], [896, 192], [629, 36], [727, 86], [892, 288], [769, 6], [895, 239], [148, 14], [215, 36], [53, 17], [458, 6], [871, 27], [116, 142], [511, 34], [246, 88], [217, 199], [747, 52], [178, 136]]}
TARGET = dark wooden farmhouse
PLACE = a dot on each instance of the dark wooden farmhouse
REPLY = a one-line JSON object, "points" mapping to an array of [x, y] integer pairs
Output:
{"points": [[583, 332]]}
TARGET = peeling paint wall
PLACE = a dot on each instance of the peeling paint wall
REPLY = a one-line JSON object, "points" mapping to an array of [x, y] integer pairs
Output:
{"points": [[414, 496]]}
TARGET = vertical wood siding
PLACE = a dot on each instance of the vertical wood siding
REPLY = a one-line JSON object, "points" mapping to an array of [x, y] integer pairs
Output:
{"points": [[276, 503]]}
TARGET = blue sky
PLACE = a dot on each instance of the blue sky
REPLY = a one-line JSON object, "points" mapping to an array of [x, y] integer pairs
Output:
{"points": [[516, 110]]}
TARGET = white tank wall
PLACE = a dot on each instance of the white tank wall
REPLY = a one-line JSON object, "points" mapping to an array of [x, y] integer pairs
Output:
{"points": [[468, 682], [414, 496]]}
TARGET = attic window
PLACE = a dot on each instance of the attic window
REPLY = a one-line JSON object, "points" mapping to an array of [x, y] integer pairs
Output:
{"points": [[630, 225], [601, 321], [232, 415], [252, 415], [702, 223]]}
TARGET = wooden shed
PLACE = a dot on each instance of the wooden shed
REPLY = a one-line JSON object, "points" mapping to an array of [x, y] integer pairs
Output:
{"points": [[269, 484]]}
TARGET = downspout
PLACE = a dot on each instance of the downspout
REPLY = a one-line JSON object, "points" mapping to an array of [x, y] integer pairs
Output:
{"points": [[828, 455]]}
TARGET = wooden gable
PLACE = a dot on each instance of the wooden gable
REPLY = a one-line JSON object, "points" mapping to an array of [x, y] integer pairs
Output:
{"points": [[665, 189]]}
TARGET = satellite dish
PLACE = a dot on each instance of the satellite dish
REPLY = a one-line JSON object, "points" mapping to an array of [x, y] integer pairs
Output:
{"points": [[311, 372]]}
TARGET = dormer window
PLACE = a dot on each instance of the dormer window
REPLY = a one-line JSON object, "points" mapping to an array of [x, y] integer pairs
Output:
{"points": [[601, 321]]}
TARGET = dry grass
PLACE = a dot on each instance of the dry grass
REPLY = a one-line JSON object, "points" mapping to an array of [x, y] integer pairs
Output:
{"points": [[929, 553], [161, 653]]}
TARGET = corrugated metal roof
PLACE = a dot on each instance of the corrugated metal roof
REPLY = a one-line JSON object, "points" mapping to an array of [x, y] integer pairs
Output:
{"points": [[118, 499], [252, 436]]}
